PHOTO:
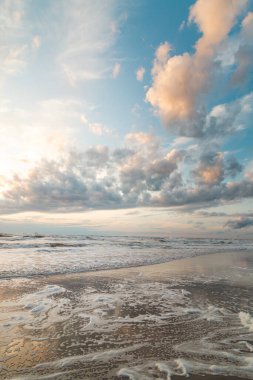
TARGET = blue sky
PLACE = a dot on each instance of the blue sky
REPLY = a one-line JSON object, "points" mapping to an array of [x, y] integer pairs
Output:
{"points": [[127, 117]]}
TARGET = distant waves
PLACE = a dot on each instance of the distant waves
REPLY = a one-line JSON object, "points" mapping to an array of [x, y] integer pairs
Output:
{"points": [[31, 255]]}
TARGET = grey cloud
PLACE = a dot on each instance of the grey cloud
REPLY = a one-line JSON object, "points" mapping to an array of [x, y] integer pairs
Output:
{"points": [[226, 119], [242, 222], [97, 156], [158, 172], [194, 127], [223, 120], [244, 55], [244, 59], [149, 167], [56, 186], [213, 167], [210, 169], [136, 176], [207, 214], [122, 154], [233, 167], [94, 179], [204, 195]]}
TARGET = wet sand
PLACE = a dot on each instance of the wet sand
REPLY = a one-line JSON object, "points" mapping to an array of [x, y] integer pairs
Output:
{"points": [[235, 267], [187, 317], [207, 377]]}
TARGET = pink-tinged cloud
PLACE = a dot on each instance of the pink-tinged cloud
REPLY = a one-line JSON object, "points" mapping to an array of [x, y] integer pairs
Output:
{"points": [[96, 128], [140, 74], [141, 138], [179, 81], [247, 25], [214, 167], [36, 42], [162, 52], [215, 19], [211, 170], [116, 70]]}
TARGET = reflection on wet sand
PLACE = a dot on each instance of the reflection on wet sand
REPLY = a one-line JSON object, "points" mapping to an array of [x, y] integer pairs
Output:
{"points": [[231, 266], [188, 317]]}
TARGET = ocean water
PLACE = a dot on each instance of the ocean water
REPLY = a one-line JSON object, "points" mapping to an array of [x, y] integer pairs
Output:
{"points": [[191, 317], [31, 255]]}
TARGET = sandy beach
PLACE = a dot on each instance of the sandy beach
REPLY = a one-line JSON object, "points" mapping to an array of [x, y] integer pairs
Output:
{"points": [[187, 317]]}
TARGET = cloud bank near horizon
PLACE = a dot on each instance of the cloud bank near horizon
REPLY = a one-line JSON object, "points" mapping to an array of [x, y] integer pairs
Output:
{"points": [[141, 174]]}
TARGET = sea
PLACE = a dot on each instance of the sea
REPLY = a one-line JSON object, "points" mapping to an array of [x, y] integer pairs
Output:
{"points": [[125, 308], [33, 255]]}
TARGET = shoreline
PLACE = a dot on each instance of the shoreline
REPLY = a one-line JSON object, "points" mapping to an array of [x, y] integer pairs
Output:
{"points": [[132, 320], [161, 267], [174, 267]]}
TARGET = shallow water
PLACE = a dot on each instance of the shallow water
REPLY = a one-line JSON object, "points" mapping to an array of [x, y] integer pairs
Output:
{"points": [[31, 255], [190, 316]]}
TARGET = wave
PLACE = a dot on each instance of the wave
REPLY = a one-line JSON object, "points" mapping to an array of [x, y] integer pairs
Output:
{"points": [[30, 255]]}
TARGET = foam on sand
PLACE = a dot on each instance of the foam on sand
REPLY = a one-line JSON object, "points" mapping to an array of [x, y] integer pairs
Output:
{"points": [[185, 368], [139, 327], [246, 320], [102, 356]]}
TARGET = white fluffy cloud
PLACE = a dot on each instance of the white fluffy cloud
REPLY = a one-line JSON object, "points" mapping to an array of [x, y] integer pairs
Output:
{"points": [[180, 81], [215, 18]]}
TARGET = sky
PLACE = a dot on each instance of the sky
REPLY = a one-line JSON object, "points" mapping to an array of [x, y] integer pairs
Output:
{"points": [[127, 117]]}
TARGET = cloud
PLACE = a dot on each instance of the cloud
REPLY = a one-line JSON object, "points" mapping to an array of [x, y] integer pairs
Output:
{"points": [[13, 37], [98, 129], [213, 168], [247, 26], [199, 196], [96, 178], [36, 42], [38, 143], [244, 55], [215, 18], [213, 214], [180, 81], [225, 119], [116, 70], [182, 26], [233, 167], [210, 170], [45, 131], [95, 128], [18, 43], [162, 53], [239, 223], [78, 37], [222, 120], [140, 74], [84, 33], [142, 173], [142, 138]]}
